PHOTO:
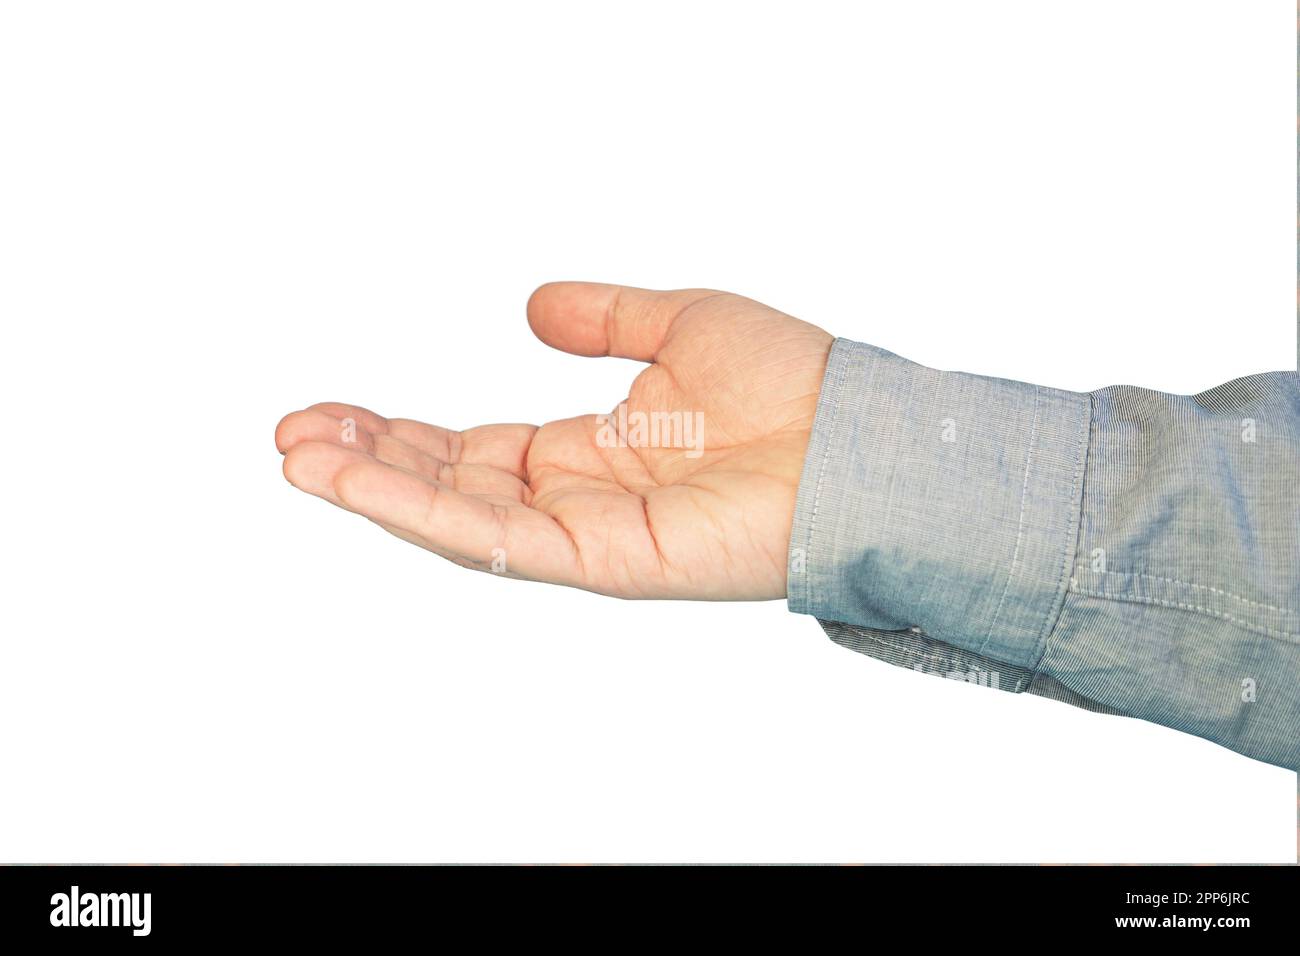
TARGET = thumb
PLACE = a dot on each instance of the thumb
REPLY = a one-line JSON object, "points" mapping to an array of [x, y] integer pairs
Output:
{"points": [[592, 318]]}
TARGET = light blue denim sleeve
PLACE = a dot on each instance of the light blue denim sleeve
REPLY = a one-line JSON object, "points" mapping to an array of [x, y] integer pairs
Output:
{"points": [[1126, 551]]}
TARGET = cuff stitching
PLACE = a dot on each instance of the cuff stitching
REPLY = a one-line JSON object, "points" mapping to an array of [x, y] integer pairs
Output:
{"points": [[837, 393], [1020, 524]]}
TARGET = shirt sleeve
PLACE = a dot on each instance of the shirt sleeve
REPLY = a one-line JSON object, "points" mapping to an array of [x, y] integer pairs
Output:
{"points": [[1124, 550]]}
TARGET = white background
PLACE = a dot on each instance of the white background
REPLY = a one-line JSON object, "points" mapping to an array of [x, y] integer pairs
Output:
{"points": [[216, 213]]}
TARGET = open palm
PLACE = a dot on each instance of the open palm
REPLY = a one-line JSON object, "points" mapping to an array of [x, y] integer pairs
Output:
{"points": [[685, 491]]}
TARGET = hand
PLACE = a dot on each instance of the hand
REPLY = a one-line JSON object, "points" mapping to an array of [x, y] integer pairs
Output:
{"points": [[587, 502]]}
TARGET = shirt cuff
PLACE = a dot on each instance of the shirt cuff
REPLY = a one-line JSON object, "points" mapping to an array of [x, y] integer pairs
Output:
{"points": [[938, 507]]}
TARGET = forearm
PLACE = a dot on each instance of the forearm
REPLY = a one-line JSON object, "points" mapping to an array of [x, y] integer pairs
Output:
{"points": [[1124, 550]]}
